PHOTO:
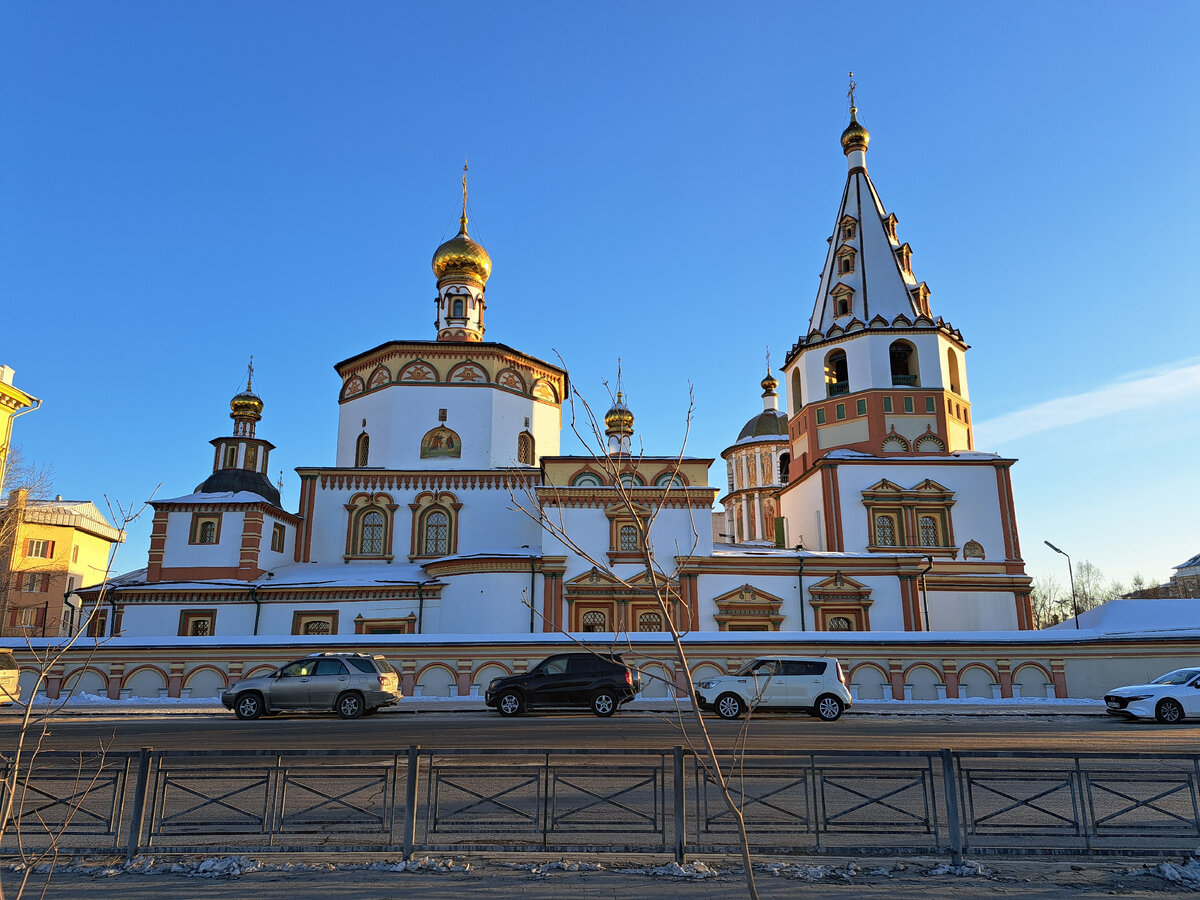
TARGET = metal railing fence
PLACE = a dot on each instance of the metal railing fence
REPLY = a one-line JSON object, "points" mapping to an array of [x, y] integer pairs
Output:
{"points": [[419, 800]]}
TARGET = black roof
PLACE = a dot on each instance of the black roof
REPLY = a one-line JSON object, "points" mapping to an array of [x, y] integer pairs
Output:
{"points": [[240, 480]]}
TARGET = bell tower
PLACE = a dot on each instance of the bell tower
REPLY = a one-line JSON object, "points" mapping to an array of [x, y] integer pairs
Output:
{"points": [[462, 268]]}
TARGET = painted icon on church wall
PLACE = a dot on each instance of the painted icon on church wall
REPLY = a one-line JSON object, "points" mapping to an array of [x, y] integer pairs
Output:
{"points": [[441, 442]]}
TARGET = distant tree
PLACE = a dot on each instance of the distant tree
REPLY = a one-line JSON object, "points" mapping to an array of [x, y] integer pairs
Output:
{"points": [[1051, 604], [1090, 588]]}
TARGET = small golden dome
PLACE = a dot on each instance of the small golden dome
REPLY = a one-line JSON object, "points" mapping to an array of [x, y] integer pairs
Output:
{"points": [[247, 403], [619, 418], [461, 259], [855, 137], [769, 384]]}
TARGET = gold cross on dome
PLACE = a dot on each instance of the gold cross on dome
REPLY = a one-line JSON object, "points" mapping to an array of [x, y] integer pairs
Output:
{"points": [[850, 93]]}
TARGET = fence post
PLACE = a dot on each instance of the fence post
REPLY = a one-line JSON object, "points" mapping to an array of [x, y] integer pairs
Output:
{"points": [[952, 807], [139, 805], [680, 821], [410, 799]]}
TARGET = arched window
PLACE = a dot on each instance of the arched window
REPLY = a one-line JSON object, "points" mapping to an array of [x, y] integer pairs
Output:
{"points": [[669, 480], [629, 537], [370, 533], [785, 461], [595, 620], [230, 457], [904, 363], [929, 532], [630, 480], [435, 537], [587, 479], [840, 623], [650, 621], [885, 531], [457, 308], [795, 398], [952, 365], [207, 533], [362, 449], [837, 373], [525, 448]]}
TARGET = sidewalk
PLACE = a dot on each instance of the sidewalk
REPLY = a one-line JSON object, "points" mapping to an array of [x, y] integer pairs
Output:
{"points": [[91, 705]]}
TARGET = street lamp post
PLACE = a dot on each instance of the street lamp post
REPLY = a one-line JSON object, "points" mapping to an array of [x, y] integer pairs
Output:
{"points": [[1071, 573]]}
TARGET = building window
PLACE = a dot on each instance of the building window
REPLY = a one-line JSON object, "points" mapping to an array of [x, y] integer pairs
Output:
{"points": [[371, 533], [846, 265], [820, 417], [887, 404], [230, 457], [206, 529], [650, 621], [929, 404], [525, 449], [595, 620], [885, 531], [316, 622], [860, 407], [457, 308], [629, 537], [904, 363], [251, 459], [839, 411], [197, 622], [848, 231], [952, 365], [908, 404], [39, 549], [72, 582], [435, 533], [35, 583], [839, 623], [837, 377], [843, 300], [929, 532], [97, 623], [278, 534], [362, 449]]}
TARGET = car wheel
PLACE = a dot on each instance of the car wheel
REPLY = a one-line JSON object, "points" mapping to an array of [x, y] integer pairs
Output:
{"points": [[829, 708], [510, 704], [604, 703], [1168, 711], [248, 706], [729, 706], [350, 705]]}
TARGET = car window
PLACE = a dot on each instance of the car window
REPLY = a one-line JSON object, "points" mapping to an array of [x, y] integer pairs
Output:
{"points": [[330, 667], [760, 667], [1179, 676], [555, 665], [296, 669], [802, 667], [363, 665], [579, 664], [7, 660]]}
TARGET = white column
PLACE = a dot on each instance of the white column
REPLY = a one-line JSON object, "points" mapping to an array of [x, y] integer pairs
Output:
{"points": [[758, 516]]}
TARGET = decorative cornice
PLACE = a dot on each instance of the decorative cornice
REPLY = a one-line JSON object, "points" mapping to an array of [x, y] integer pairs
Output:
{"points": [[263, 507], [395, 479], [604, 497]]}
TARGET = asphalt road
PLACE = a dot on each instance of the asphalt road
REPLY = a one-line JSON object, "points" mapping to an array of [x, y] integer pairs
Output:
{"points": [[642, 730]]}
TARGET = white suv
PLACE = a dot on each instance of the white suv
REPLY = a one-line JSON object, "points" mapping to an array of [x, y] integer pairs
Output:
{"points": [[814, 684]]}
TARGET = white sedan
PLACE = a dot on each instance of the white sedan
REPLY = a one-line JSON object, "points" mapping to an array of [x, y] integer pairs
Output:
{"points": [[1169, 698]]}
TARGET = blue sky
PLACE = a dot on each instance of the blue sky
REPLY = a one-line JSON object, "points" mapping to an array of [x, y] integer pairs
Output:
{"points": [[183, 185]]}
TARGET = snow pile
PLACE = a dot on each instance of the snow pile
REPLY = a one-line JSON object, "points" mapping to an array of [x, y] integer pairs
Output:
{"points": [[966, 870], [233, 866], [800, 872], [1185, 875], [561, 865], [695, 870]]}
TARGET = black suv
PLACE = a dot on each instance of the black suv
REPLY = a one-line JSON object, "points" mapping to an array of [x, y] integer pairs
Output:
{"points": [[597, 681]]}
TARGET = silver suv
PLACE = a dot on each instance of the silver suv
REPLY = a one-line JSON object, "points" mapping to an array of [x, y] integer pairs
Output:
{"points": [[813, 684], [353, 684]]}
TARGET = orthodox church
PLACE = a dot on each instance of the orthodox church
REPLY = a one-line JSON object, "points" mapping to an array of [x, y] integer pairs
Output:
{"points": [[450, 510]]}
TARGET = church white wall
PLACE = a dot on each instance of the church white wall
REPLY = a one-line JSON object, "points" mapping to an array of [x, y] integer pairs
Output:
{"points": [[226, 552], [975, 514], [486, 603], [971, 611], [155, 620], [801, 508], [271, 559]]}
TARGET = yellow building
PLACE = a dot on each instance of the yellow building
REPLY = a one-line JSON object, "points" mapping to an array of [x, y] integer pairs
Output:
{"points": [[13, 402], [51, 547]]}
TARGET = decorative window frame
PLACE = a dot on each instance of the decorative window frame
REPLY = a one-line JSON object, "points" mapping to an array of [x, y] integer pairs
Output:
{"points": [[620, 600], [362, 450], [402, 625], [846, 259], [840, 596], [231, 457], [906, 506], [278, 537], [198, 521], [301, 619], [587, 478], [358, 506], [843, 300], [848, 227], [422, 506], [748, 608], [620, 516], [189, 617], [250, 458], [526, 449]]}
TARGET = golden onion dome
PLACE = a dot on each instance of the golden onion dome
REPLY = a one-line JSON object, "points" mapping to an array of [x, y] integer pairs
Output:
{"points": [[461, 259], [855, 137], [247, 403], [769, 384], [619, 418]]}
